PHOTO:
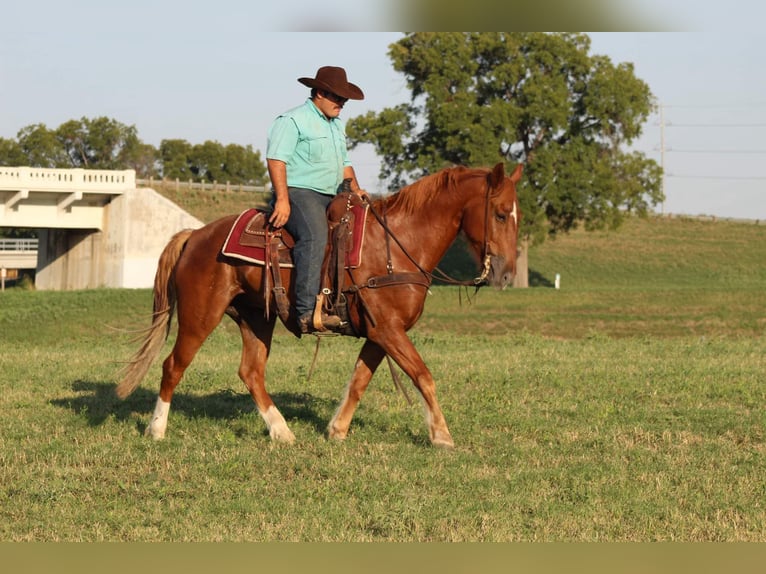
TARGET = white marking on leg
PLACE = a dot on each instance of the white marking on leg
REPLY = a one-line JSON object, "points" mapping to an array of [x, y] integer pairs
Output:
{"points": [[332, 430], [159, 423], [277, 426], [438, 438]]}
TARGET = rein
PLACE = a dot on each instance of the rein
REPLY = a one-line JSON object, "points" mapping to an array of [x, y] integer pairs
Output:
{"points": [[429, 276]]}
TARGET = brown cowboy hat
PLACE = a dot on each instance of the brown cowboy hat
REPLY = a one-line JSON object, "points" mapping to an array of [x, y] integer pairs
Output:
{"points": [[333, 79]]}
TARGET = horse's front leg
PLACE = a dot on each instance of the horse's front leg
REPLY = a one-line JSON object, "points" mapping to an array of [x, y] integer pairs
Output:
{"points": [[398, 345], [256, 342], [369, 358]]}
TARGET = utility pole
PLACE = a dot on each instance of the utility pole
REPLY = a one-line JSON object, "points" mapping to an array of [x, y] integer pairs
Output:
{"points": [[662, 156]]}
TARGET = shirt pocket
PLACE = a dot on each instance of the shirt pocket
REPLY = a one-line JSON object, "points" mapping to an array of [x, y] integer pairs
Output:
{"points": [[319, 149]]}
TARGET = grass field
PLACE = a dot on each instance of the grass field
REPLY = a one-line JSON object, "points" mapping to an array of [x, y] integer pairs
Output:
{"points": [[627, 406]]}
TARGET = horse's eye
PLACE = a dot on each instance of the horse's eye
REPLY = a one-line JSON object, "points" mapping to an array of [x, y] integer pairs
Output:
{"points": [[501, 217]]}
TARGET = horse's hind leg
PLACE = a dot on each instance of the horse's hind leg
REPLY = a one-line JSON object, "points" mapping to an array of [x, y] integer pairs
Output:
{"points": [[369, 358], [256, 343], [172, 370], [188, 342]]}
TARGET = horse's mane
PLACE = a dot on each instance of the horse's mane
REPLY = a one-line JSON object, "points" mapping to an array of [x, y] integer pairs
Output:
{"points": [[411, 198]]}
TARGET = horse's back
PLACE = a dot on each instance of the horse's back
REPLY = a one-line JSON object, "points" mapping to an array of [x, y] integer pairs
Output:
{"points": [[202, 259]]}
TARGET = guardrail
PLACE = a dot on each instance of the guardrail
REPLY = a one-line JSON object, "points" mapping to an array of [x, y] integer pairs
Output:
{"points": [[23, 244]]}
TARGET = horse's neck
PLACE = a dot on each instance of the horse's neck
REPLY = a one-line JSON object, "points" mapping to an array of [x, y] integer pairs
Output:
{"points": [[428, 233]]}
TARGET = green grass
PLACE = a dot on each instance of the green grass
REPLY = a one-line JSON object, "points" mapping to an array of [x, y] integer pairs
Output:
{"points": [[627, 406]]}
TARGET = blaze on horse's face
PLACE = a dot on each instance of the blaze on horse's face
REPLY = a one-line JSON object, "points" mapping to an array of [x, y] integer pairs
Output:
{"points": [[496, 226]]}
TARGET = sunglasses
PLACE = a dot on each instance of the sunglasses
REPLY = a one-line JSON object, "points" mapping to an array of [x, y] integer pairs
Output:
{"points": [[335, 98]]}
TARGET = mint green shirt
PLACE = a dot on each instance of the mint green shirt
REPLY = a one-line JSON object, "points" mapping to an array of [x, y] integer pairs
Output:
{"points": [[312, 146]]}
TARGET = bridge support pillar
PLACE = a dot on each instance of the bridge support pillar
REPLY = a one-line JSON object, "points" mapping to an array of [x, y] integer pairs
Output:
{"points": [[70, 259], [136, 227]]}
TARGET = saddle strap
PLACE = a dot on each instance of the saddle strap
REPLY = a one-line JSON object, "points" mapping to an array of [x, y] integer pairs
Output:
{"points": [[272, 265], [386, 281], [268, 265], [340, 238], [398, 279], [280, 295]]}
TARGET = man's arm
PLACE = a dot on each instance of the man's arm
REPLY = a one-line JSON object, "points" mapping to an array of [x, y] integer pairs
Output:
{"points": [[278, 174]]}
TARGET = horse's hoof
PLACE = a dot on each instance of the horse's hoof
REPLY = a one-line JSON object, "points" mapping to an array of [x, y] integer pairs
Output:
{"points": [[336, 435], [446, 445], [443, 441], [284, 435]]}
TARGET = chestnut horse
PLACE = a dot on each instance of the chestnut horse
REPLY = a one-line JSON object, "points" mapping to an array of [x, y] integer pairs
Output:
{"points": [[418, 225]]}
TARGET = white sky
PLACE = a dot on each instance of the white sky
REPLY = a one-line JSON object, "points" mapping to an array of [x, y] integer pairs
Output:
{"points": [[211, 71]]}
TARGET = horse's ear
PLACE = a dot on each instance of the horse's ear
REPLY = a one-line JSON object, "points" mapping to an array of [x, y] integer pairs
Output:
{"points": [[497, 175], [516, 175]]}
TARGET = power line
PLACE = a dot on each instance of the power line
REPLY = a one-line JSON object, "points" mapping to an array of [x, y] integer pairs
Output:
{"points": [[665, 149], [749, 105], [719, 177], [716, 151], [748, 125]]}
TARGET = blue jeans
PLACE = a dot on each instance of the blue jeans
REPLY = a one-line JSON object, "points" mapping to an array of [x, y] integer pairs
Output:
{"points": [[308, 226]]}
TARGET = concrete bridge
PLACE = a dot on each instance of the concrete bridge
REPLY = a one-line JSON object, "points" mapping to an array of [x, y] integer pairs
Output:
{"points": [[95, 228]]}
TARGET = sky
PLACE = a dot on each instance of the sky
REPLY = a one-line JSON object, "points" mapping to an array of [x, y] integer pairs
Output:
{"points": [[222, 71]]}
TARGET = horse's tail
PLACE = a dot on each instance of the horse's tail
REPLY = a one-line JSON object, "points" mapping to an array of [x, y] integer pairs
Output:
{"points": [[164, 307]]}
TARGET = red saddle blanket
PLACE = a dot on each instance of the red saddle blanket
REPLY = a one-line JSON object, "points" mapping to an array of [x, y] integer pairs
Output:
{"points": [[248, 236]]}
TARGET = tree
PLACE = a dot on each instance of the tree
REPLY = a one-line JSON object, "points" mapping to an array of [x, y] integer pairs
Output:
{"points": [[533, 98], [104, 143], [144, 159], [243, 165], [100, 143], [207, 161], [175, 157], [212, 161], [11, 153], [41, 147]]}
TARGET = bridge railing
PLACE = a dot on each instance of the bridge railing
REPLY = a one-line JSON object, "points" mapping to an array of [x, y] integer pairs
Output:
{"points": [[42, 179], [23, 244]]}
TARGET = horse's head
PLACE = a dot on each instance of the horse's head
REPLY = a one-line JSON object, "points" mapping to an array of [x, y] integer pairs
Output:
{"points": [[491, 222]]}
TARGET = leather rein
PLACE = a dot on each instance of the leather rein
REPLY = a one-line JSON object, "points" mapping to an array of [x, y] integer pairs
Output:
{"points": [[424, 277]]}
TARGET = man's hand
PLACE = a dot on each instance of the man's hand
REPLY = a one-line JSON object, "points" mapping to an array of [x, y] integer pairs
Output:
{"points": [[281, 212], [362, 194]]}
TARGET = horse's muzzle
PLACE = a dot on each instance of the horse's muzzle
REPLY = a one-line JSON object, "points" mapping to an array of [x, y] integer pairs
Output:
{"points": [[500, 273]]}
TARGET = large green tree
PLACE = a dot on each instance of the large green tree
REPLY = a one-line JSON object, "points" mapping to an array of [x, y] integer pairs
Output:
{"points": [[175, 156], [212, 161], [11, 153], [41, 147], [99, 143], [534, 98]]}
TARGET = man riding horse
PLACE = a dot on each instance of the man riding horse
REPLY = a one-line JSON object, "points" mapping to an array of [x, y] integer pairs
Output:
{"points": [[307, 159]]}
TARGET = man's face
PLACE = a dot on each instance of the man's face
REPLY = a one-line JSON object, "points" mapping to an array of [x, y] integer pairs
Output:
{"points": [[329, 104]]}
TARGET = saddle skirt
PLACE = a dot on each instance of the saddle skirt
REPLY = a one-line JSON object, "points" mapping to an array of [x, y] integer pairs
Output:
{"points": [[251, 234]]}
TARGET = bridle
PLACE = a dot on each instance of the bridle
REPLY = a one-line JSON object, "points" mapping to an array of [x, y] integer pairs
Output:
{"points": [[486, 256], [482, 279]]}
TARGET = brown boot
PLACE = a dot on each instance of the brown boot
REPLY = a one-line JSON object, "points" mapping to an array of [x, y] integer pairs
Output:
{"points": [[329, 323]]}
